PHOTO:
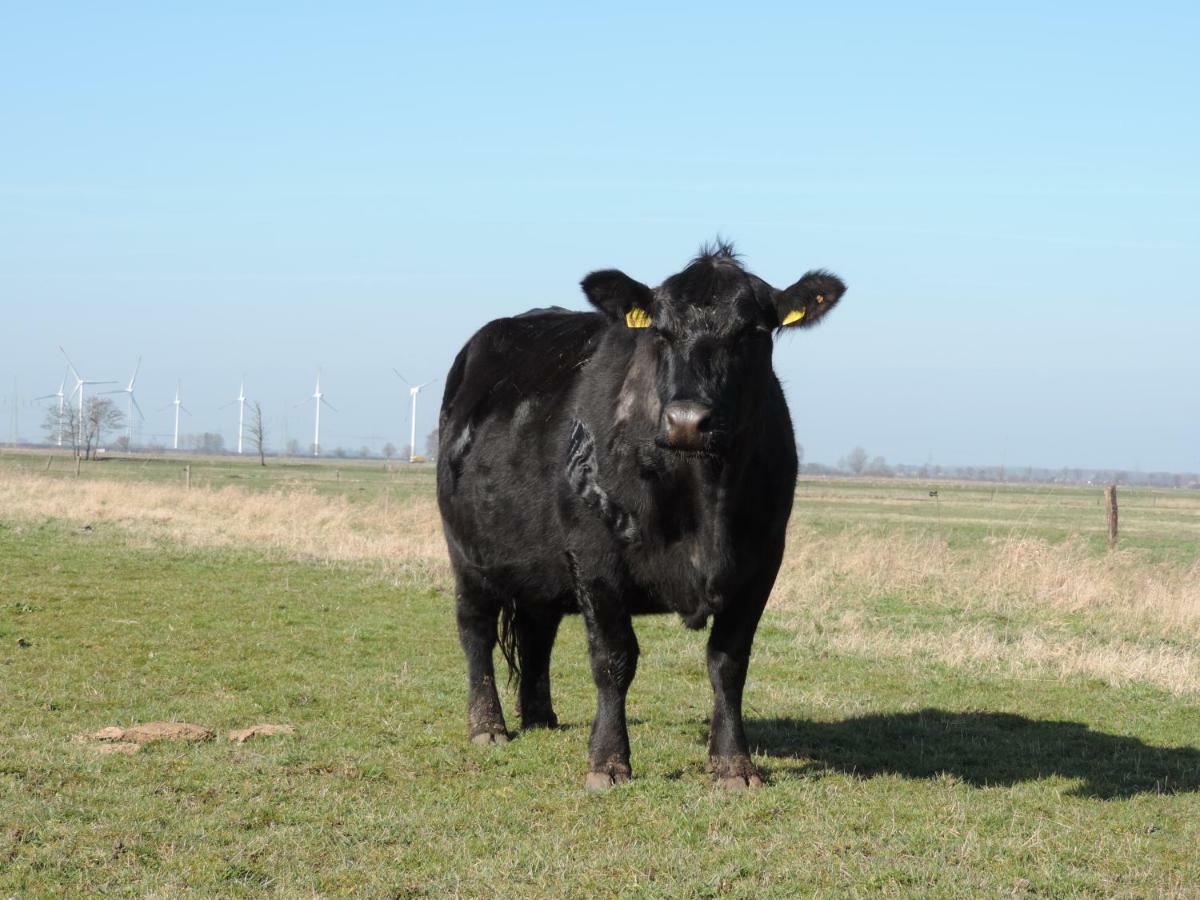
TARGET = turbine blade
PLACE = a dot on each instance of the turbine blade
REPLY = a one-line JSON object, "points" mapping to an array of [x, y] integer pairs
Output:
{"points": [[185, 409], [74, 371], [398, 375], [330, 405], [136, 369], [133, 400], [426, 384]]}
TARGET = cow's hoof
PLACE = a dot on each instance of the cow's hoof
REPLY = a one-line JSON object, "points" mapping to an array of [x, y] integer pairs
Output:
{"points": [[549, 720], [489, 737], [737, 774], [606, 778], [737, 783]]}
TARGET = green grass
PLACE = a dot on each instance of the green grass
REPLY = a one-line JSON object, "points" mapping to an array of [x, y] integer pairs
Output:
{"points": [[900, 777]]}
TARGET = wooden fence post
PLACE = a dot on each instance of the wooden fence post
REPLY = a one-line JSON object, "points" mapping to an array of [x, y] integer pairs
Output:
{"points": [[1110, 503], [187, 476]]}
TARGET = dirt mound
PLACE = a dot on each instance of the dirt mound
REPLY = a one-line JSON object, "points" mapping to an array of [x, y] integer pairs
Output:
{"points": [[150, 732], [244, 734]]}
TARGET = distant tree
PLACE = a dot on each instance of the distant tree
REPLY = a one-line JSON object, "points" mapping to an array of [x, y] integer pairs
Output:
{"points": [[257, 430], [800, 456], [211, 442], [855, 461], [293, 447], [389, 450], [99, 415], [879, 467], [122, 443], [63, 429], [364, 451], [406, 452], [431, 444], [340, 452]]}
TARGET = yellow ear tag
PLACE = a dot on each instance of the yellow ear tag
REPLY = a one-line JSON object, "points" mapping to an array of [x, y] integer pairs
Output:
{"points": [[637, 318], [794, 316]]}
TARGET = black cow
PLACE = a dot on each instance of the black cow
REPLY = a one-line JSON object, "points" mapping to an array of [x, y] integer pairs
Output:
{"points": [[638, 459]]}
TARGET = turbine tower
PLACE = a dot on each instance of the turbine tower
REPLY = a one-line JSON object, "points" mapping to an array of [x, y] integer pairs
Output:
{"points": [[62, 404], [319, 398], [178, 404], [133, 404], [241, 402], [414, 392], [80, 384]]}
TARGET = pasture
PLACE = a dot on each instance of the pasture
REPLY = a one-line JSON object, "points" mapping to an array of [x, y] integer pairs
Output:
{"points": [[951, 697]]}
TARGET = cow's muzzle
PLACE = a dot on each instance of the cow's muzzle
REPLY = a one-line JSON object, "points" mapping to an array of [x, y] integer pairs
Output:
{"points": [[685, 426]]}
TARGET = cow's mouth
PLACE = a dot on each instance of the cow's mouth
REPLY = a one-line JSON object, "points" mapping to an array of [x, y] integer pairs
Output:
{"points": [[706, 451]]}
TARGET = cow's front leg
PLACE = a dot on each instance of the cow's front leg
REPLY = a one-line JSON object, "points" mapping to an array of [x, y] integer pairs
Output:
{"points": [[728, 659], [613, 648]]}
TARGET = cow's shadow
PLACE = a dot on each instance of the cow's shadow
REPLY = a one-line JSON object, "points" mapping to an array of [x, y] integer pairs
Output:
{"points": [[979, 748]]}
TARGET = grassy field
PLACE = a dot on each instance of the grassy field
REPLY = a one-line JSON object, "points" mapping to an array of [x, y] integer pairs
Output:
{"points": [[958, 697]]}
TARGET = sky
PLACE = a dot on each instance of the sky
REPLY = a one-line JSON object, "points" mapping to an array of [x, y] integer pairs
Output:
{"points": [[1011, 192]]}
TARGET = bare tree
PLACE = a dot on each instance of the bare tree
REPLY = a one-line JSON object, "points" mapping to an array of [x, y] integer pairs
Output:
{"points": [[431, 444], [257, 430], [63, 429], [389, 450], [293, 447], [364, 452], [855, 460], [800, 457], [99, 415]]}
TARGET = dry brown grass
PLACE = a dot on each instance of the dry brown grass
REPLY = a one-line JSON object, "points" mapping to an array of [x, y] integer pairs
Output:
{"points": [[1004, 605], [1004, 575], [1032, 596], [404, 538]]}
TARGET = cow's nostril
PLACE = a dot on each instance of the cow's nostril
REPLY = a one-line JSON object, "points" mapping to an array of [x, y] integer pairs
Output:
{"points": [[686, 425]]}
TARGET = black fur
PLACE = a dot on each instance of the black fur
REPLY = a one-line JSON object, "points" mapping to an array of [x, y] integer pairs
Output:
{"points": [[562, 489]]}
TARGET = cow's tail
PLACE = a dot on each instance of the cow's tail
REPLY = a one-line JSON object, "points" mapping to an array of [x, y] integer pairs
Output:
{"points": [[508, 639]]}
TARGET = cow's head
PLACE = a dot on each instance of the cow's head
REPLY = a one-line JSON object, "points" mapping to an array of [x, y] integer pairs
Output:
{"points": [[709, 330]]}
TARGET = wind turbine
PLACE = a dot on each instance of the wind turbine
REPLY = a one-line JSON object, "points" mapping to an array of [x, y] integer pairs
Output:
{"points": [[318, 398], [62, 404], [178, 404], [414, 392], [241, 402], [133, 404], [80, 384]]}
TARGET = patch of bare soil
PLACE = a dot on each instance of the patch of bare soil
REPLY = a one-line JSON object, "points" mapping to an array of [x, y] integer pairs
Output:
{"points": [[245, 734], [114, 739]]}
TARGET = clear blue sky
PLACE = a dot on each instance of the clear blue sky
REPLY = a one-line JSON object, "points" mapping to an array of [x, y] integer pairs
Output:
{"points": [[1011, 191]]}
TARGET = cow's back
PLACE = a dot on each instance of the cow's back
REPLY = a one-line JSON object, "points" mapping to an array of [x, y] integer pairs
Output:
{"points": [[501, 435]]}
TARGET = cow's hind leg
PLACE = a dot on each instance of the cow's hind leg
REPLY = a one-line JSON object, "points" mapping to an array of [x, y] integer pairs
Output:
{"points": [[477, 620], [535, 641], [728, 659]]}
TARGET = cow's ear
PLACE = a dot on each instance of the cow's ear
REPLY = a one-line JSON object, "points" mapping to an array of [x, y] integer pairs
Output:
{"points": [[810, 298], [619, 297]]}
